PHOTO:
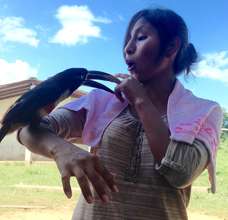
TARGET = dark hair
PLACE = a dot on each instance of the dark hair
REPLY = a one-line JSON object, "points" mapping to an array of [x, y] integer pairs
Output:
{"points": [[169, 26]]}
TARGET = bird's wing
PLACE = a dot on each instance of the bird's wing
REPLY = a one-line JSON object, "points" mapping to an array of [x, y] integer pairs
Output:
{"points": [[32, 101]]}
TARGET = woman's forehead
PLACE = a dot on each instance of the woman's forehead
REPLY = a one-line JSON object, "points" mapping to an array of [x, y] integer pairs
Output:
{"points": [[141, 25]]}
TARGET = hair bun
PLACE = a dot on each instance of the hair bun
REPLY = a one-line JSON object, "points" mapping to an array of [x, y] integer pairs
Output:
{"points": [[191, 56], [186, 57]]}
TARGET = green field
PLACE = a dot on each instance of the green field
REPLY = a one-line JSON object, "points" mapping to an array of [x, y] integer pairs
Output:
{"points": [[215, 204], [39, 184]]}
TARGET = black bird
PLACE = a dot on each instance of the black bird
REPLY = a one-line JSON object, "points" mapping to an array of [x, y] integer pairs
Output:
{"points": [[42, 99]]}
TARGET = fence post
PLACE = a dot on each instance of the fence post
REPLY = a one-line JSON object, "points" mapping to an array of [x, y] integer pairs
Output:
{"points": [[28, 153], [28, 156]]}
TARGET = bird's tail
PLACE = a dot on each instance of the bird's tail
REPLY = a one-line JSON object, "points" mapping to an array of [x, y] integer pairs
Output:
{"points": [[3, 131]]}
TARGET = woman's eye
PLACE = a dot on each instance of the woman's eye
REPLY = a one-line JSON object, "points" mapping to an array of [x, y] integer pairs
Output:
{"points": [[142, 37]]}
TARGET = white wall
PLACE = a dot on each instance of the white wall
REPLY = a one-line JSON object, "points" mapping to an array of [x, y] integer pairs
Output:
{"points": [[10, 148]]}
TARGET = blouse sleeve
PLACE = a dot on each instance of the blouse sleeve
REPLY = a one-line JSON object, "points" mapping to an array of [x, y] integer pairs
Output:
{"points": [[183, 162], [61, 122]]}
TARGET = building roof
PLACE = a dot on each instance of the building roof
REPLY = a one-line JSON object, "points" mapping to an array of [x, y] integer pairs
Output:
{"points": [[19, 88]]}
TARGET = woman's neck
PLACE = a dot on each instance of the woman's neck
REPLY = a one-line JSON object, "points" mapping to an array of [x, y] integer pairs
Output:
{"points": [[159, 89]]}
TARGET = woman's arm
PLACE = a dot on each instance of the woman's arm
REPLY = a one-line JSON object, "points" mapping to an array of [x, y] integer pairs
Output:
{"points": [[48, 136], [180, 163], [155, 129], [70, 159], [183, 162]]}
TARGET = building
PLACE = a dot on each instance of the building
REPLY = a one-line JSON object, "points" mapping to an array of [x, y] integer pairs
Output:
{"points": [[10, 149]]}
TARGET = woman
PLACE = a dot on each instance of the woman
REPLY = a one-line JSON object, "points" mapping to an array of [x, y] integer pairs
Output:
{"points": [[148, 147]]}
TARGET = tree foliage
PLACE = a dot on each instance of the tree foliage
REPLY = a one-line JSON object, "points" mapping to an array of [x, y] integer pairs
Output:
{"points": [[224, 135], [225, 119]]}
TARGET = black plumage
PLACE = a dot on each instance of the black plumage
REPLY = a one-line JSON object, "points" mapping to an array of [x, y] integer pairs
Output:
{"points": [[42, 99]]}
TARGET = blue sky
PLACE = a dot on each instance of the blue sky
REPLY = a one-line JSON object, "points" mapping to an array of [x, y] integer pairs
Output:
{"points": [[41, 38]]}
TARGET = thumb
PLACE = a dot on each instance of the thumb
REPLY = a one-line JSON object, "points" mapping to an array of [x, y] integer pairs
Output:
{"points": [[118, 93], [122, 75]]}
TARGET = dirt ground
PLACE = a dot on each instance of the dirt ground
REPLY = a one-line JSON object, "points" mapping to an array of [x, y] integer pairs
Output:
{"points": [[65, 214], [40, 213]]}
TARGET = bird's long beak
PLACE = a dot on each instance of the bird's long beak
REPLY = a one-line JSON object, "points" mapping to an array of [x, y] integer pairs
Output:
{"points": [[98, 75], [93, 74]]}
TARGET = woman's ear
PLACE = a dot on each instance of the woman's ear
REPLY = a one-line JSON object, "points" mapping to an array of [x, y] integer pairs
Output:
{"points": [[173, 48]]}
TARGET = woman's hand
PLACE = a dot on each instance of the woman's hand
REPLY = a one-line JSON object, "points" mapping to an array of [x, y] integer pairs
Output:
{"points": [[70, 159], [87, 168], [132, 89]]}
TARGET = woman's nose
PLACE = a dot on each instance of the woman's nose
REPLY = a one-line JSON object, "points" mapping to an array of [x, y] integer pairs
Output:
{"points": [[129, 48]]}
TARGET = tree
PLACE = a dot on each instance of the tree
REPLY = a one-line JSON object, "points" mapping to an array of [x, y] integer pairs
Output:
{"points": [[224, 135], [225, 118]]}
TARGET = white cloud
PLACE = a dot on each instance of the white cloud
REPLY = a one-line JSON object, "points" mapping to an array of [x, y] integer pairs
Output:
{"points": [[12, 29], [78, 24], [214, 66], [17, 71]]}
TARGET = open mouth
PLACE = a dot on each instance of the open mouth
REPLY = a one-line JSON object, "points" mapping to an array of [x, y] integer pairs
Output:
{"points": [[131, 65]]}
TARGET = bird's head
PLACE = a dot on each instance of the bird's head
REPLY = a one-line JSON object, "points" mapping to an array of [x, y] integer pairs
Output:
{"points": [[74, 75], [81, 76]]}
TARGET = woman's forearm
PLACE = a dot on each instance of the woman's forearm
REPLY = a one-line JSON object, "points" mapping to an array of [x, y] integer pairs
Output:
{"points": [[184, 162], [71, 161], [155, 129], [41, 141], [48, 137]]}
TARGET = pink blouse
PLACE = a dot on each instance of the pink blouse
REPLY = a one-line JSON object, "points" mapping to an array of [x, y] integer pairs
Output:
{"points": [[189, 118]]}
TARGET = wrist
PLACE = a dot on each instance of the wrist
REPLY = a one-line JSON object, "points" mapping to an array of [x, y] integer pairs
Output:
{"points": [[62, 148], [141, 102]]}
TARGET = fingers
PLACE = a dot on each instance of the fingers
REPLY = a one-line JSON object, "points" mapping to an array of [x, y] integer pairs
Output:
{"points": [[99, 185], [82, 181], [66, 186], [84, 184], [107, 176], [117, 88], [122, 75], [118, 93], [101, 179], [88, 171]]}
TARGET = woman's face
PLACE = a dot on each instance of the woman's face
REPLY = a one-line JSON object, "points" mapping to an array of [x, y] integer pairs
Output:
{"points": [[142, 51]]}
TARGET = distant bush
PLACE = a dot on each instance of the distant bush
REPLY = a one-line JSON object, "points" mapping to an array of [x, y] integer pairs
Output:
{"points": [[224, 138]]}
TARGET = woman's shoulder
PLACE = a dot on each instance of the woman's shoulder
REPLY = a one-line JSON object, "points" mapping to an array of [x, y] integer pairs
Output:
{"points": [[99, 93], [101, 98], [186, 98], [96, 100], [203, 104]]}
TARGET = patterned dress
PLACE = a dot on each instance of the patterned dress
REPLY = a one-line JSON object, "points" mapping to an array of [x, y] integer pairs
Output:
{"points": [[144, 192]]}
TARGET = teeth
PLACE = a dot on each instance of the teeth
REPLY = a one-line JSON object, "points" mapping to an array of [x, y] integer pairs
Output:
{"points": [[130, 64]]}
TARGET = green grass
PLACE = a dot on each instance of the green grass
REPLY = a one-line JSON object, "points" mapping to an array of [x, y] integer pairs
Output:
{"points": [[37, 173], [208, 203], [16, 174]]}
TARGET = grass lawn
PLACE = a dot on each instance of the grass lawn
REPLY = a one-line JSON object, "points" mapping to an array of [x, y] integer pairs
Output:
{"points": [[215, 204], [40, 185], [16, 181]]}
